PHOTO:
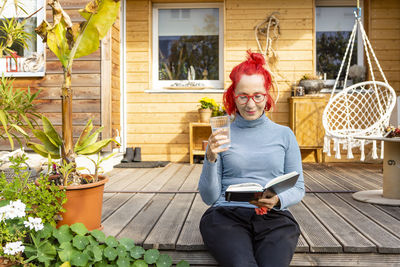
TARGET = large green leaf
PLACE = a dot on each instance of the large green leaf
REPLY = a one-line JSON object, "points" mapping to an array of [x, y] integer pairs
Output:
{"points": [[79, 259], [18, 129], [66, 252], [84, 135], [127, 243], [63, 234], [151, 256], [111, 241], [99, 235], [137, 252], [60, 35], [183, 263], [110, 253], [89, 140], [51, 133], [79, 228], [48, 145], [3, 120], [100, 16], [96, 147], [164, 261], [41, 150], [80, 242]]}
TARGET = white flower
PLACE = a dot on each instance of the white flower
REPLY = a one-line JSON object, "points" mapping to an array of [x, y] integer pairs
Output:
{"points": [[3, 211], [34, 223], [13, 248], [16, 209]]}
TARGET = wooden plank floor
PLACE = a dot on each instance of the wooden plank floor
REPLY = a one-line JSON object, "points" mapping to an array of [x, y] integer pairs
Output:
{"points": [[163, 209]]}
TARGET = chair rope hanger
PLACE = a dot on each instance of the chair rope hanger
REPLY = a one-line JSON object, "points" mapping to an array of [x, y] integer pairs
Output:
{"points": [[360, 110]]}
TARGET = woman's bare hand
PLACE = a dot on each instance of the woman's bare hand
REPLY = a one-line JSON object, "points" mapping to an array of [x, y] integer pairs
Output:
{"points": [[268, 201], [215, 141]]}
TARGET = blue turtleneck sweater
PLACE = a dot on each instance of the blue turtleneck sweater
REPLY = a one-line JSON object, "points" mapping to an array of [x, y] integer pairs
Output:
{"points": [[260, 150]]}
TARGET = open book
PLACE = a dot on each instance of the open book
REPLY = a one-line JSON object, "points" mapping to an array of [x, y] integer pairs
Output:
{"points": [[252, 191]]}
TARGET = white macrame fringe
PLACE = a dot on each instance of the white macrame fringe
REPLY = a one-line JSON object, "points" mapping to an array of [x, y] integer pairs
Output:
{"points": [[327, 145], [382, 146], [374, 154], [336, 146], [349, 148], [362, 142]]}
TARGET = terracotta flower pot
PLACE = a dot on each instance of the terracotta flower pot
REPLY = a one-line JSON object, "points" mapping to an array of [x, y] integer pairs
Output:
{"points": [[84, 204], [205, 114]]}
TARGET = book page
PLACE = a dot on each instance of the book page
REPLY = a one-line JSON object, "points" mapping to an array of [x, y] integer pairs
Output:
{"points": [[244, 187], [280, 179]]}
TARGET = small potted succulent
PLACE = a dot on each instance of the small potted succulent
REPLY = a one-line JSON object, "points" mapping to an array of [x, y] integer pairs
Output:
{"points": [[311, 83]]}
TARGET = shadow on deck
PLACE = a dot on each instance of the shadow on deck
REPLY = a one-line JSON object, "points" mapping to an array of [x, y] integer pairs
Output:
{"points": [[163, 211]]}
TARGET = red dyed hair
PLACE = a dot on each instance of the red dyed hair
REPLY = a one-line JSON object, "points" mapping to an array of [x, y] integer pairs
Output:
{"points": [[253, 65]]}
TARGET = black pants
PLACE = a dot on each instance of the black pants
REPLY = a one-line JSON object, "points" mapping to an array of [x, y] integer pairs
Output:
{"points": [[236, 236]]}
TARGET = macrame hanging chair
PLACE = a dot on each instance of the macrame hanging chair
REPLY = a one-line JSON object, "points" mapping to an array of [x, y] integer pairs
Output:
{"points": [[360, 110]]}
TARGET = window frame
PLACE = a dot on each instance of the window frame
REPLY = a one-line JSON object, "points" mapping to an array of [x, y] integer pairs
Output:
{"points": [[159, 85], [360, 45], [40, 16]]}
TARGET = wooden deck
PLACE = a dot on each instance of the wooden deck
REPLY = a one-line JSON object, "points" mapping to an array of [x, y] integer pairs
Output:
{"points": [[336, 230]]}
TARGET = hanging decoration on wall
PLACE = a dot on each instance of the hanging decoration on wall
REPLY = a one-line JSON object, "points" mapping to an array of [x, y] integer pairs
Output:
{"points": [[33, 63], [269, 29]]}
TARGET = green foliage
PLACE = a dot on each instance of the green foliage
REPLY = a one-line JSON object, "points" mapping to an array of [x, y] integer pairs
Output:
{"points": [[52, 142], [12, 30], [206, 103], [218, 111], [75, 246], [331, 48], [200, 52], [69, 41], [309, 76], [43, 200], [17, 111], [52, 146]]}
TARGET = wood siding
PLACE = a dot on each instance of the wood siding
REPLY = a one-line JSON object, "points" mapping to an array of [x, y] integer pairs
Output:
{"points": [[87, 86], [115, 77], [384, 35], [159, 122]]}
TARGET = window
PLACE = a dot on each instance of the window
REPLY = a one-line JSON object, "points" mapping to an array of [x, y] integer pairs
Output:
{"points": [[334, 23], [187, 46], [26, 61]]}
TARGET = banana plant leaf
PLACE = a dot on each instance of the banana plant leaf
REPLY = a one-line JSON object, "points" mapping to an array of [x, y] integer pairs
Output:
{"points": [[96, 147], [100, 16]]}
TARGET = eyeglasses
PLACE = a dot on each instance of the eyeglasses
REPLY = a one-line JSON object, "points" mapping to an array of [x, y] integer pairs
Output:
{"points": [[244, 99]]}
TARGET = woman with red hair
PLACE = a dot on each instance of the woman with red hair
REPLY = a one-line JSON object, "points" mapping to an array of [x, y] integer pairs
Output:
{"points": [[263, 232]]}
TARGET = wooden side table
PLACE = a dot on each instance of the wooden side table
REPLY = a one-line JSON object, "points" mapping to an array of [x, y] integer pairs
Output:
{"points": [[198, 132], [390, 193]]}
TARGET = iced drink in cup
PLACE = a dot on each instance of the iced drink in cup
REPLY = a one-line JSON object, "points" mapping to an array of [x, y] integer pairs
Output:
{"points": [[222, 122]]}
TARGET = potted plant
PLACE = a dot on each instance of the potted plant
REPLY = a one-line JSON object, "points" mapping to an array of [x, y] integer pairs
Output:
{"points": [[311, 83], [357, 73], [207, 105], [69, 41], [84, 193]]}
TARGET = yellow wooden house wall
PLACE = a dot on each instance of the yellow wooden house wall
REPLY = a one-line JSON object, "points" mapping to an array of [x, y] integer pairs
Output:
{"points": [[158, 122]]}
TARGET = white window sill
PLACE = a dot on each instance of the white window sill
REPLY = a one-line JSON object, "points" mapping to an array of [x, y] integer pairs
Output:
{"points": [[24, 74], [172, 91]]}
